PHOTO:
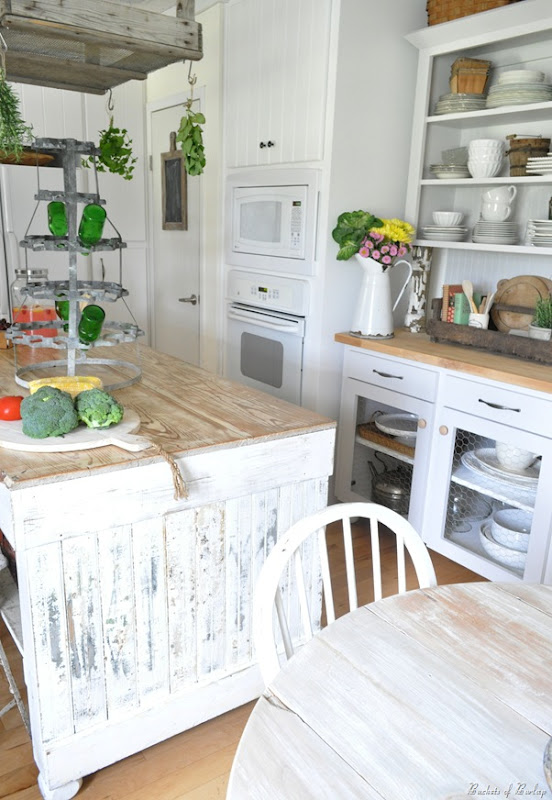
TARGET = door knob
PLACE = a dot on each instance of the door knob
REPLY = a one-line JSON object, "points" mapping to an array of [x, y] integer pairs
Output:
{"points": [[193, 299]]}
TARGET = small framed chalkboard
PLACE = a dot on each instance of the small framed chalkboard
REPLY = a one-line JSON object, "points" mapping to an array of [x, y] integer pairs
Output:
{"points": [[173, 189]]}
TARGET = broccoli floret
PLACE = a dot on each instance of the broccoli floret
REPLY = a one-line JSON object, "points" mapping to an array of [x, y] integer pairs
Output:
{"points": [[48, 412], [98, 409]]}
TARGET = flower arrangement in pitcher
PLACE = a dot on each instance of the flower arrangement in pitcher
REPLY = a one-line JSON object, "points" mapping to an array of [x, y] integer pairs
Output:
{"points": [[382, 240]]}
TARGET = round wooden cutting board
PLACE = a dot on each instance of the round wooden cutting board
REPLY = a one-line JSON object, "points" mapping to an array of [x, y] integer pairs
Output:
{"points": [[82, 438], [524, 290]]}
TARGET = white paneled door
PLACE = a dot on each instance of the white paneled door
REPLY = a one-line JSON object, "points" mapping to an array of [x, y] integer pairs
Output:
{"points": [[175, 254]]}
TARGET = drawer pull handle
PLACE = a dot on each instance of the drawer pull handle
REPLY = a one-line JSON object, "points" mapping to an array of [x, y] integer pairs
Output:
{"points": [[499, 407], [387, 375]]}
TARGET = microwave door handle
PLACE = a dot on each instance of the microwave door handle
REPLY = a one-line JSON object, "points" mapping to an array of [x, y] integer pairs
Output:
{"points": [[263, 322]]}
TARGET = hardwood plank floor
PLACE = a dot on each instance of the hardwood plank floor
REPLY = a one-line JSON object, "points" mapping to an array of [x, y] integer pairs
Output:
{"points": [[194, 765]]}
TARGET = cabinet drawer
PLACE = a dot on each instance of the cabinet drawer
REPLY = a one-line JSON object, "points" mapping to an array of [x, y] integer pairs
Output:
{"points": [[390, 373], [499, 404]]}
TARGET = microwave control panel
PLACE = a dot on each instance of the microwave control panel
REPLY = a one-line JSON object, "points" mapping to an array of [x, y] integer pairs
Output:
{"points": [[275, 292]]}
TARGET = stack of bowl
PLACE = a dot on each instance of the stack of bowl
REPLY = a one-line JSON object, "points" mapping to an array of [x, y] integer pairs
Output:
{"points": [[485, 157], [506, 538]]}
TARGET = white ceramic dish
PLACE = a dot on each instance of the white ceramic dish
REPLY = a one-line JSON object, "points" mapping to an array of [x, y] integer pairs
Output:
{"points": [[483, 461], [504, 555], [404, 424], [484, 169], [447, 218], [511, 527], [514, 459]]}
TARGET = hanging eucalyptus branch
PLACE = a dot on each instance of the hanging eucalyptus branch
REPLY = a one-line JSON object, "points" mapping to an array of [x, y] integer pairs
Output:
{"points": [[14, 132], [190, 135]]}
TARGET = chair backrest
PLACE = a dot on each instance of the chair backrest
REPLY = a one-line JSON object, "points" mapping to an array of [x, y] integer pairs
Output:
{"points": [[289, 581]]}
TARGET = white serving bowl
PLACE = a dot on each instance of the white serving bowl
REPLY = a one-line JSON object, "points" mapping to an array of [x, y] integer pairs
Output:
{"points": [[515, 459], [504, 555], [447, 218], [486, 144], [484, 169], [511, 527]]}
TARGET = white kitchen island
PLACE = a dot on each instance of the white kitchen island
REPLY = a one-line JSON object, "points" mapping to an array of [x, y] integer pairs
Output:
{"points": [[135, 606]]}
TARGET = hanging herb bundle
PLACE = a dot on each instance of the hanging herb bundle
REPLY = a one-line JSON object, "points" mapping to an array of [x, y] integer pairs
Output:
{"points": [[115, 147], [190, 136], [14, 132]]}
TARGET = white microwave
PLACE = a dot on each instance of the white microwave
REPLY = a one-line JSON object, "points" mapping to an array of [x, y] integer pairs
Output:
{"points": [[272, 220]]}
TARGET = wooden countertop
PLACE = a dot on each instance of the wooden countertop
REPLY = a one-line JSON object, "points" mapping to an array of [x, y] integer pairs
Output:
{"points": [[182, 408], [418, 347]]}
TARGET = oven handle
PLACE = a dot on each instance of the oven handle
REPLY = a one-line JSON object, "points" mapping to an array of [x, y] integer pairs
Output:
{"points": [[263, 321]]}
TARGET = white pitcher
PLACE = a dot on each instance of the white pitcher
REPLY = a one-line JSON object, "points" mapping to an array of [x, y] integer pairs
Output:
{"points": [[373, 317]]}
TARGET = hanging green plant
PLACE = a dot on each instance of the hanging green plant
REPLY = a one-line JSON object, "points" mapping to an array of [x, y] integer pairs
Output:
{"points": [[115, 156], [190, 136], [14, 132]]}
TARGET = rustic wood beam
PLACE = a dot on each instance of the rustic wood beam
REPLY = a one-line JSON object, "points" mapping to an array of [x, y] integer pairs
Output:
{"points": [[66, 73], [185, 9]]}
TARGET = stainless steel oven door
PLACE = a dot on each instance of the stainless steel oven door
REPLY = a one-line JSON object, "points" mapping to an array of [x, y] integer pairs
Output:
{"points": [[265, 350]]}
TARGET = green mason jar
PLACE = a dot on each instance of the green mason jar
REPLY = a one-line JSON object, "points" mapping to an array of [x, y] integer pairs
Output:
{"points": [[57, 218], [91, 224], [90, 324]]}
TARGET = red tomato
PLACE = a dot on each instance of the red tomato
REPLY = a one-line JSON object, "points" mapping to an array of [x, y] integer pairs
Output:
{"points": [[10, 407]]}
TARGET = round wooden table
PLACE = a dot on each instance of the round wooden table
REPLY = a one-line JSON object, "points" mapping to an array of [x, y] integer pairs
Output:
{"points": [[437, 693]]}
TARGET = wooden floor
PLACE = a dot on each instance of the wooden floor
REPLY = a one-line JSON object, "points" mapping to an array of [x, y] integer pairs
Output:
{"points": [[196, 764]]}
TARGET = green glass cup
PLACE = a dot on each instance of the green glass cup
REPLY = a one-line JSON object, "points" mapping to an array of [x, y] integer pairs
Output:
{"points": [[91, 224], [62, 310], [90, 324], [57, 218]]}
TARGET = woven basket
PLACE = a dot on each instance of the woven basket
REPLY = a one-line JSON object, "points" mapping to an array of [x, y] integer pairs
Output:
{"points": [[522, 149], [445, 10]]}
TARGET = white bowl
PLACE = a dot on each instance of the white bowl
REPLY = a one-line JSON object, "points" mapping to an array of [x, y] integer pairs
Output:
{"points": [[484, 169], [511, 527], [513, 458], [447, 218], [504, 555], [521, 76], [486, 143]]}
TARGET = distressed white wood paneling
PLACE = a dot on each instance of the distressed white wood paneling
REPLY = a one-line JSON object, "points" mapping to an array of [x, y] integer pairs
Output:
{"points": [[84, 628], [119, 619], [150, 601]]}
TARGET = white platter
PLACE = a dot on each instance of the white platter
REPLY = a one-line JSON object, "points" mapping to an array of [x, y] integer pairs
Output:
{"points": [[484, 461], [401, 424], [82, 438]]}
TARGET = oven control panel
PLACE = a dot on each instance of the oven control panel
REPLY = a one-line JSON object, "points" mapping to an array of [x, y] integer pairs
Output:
{"points": [[268, 291]]}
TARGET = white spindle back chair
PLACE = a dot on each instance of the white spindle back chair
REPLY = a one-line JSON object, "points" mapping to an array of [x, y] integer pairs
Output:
{"points": [[275, 578]]}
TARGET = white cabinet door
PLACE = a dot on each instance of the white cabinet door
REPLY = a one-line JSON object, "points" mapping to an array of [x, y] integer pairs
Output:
{"points": [[277, 57]]}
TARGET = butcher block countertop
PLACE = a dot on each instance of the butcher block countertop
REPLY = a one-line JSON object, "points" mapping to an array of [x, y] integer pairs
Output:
{"points": [[418, 347], [182, 408]]}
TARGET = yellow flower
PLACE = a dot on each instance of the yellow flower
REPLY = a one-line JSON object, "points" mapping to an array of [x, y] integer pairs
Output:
{"points": [[396, 230]]}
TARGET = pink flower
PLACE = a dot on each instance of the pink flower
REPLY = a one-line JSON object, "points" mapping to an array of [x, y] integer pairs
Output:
{"points": [[377, 237], [386, 260], [385, 248], [364, 252], [402, 250], [393, 250], [376, 254]]}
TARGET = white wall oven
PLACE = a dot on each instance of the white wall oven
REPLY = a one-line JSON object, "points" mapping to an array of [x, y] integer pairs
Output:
{"points": [[265, 332]]}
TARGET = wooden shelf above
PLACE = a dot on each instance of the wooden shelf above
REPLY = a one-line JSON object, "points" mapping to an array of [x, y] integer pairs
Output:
{"points": [[92, 47]]}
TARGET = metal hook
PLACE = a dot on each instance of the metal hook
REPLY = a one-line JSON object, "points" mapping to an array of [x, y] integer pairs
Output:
{"points": [[110, 103]]}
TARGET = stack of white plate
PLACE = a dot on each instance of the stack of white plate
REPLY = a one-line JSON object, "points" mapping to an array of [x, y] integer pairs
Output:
{"points": [[539, 232], [450, 171], [457, 103], [521, 76], [486, 232], [539, 165], [512, 94], [445, 233]]}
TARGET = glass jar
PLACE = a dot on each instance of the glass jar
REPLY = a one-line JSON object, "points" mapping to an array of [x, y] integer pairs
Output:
{"points": [[57, 218], [90, 324], [91, 224], [26, 308]]}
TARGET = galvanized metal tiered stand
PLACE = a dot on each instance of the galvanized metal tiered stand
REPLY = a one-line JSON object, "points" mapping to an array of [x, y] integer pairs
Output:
{"points": [[68, 154]]}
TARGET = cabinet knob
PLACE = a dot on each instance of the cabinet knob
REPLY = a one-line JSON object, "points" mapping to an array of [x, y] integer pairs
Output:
{"points": [[422, 423], [443, 430]]}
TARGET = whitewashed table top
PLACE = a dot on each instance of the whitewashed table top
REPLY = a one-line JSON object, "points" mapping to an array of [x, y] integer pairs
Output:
{"points": [[435, 694]]}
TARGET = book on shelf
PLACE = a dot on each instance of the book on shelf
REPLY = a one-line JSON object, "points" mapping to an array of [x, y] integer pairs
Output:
{"points": [[450, 290]]}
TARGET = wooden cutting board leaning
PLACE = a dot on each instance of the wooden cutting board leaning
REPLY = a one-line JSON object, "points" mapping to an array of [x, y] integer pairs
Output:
{"points": [[82, 438], [523, 292]]}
